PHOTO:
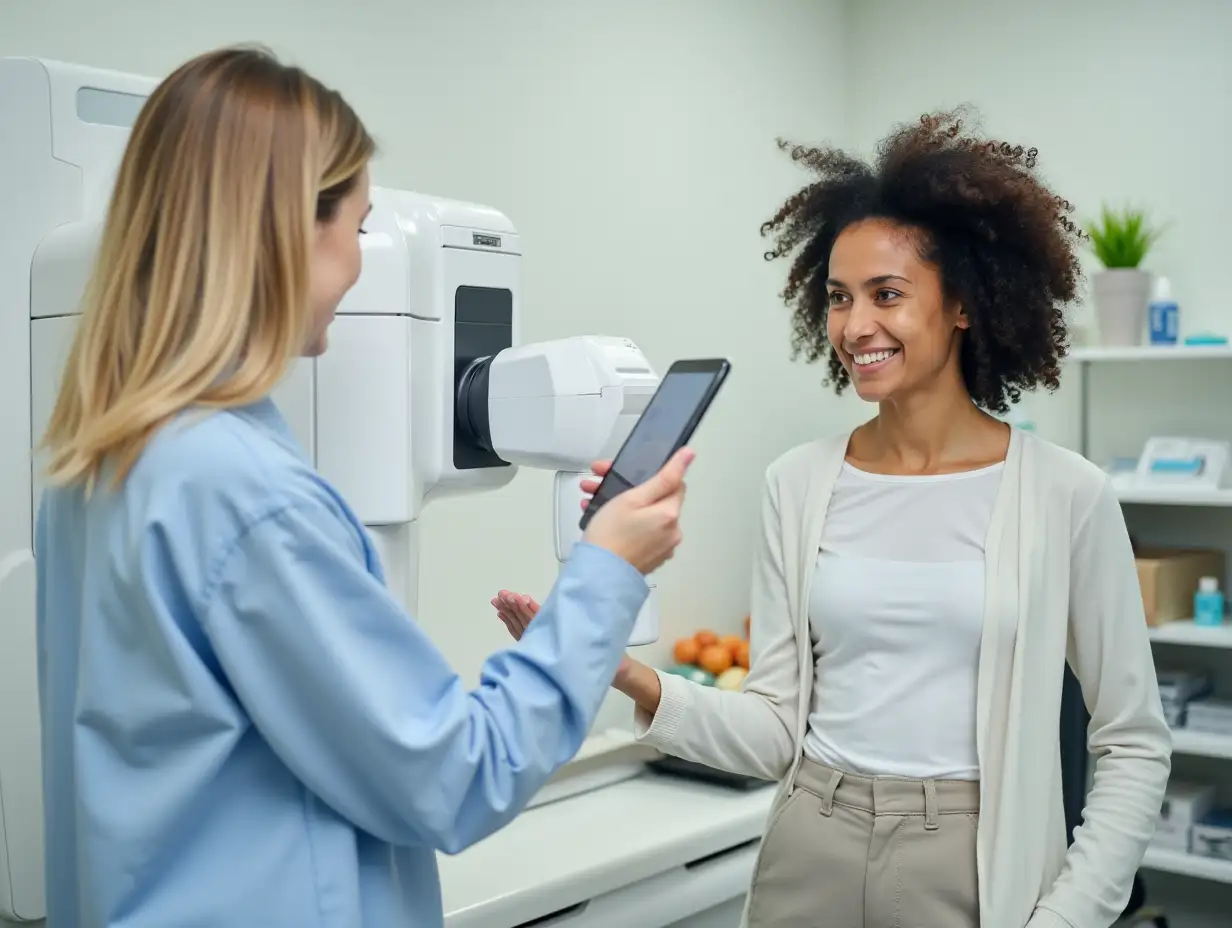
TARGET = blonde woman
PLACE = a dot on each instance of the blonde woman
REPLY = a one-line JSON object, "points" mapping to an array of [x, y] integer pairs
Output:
{"points": [[240, 726], [921, 581]]}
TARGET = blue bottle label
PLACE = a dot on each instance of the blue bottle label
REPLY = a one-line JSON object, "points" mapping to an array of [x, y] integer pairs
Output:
{"points": [[1164, 323], [1208, 609]]}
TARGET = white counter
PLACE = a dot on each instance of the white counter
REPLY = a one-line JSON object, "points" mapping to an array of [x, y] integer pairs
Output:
{"points": [[645, 830]]}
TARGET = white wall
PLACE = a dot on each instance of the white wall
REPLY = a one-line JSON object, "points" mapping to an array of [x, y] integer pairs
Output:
{"points": [[633, 145]]}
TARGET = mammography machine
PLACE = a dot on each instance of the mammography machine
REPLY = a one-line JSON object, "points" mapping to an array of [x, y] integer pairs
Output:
{"points": [[424, 392]]}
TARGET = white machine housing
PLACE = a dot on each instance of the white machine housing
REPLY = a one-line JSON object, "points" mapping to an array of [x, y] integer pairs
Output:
{"points": [[424, 391]]}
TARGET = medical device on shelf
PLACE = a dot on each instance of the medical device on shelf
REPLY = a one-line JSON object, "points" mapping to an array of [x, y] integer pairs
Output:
{"points": [[1182, 463]]}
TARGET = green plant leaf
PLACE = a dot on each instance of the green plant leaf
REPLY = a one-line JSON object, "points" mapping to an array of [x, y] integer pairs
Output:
{"points": [[1122, 239]]}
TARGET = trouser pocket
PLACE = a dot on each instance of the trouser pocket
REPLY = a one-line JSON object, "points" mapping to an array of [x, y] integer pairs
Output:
{"points": [[810, 870]]}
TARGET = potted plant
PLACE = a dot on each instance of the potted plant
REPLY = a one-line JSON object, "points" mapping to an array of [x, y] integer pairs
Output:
{"points": [[1122, 291]]}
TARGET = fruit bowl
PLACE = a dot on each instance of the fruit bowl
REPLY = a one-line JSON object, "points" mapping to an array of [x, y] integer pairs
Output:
{"points": [[711, 660]]}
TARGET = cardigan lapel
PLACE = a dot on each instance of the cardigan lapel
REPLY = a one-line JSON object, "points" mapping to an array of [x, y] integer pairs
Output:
{"points": [[816, 505], [1003, 601], [831, 454], [1001, 573]]}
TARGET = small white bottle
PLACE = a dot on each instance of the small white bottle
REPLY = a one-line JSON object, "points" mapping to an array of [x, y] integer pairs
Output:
{"points": [[1164, 320]]}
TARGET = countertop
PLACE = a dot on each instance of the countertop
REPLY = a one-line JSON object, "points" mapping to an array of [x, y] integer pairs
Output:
{"points": [[561, 854]]}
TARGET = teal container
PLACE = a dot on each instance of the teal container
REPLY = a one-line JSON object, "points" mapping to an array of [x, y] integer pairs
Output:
{"points": [[1208, 603], [692, 672]]}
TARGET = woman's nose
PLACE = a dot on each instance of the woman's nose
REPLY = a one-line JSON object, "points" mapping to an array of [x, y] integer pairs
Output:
{"points": [[861, 322]]}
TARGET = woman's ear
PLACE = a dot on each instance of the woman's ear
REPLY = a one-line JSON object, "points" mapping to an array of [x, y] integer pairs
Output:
{"points": [[964, 321]]}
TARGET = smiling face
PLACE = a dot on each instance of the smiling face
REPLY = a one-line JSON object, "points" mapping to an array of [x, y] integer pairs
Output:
{"points": [[888, 317]]}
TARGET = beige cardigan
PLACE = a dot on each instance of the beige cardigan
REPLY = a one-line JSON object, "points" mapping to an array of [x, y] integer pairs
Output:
{"points": [[1060, 583]]}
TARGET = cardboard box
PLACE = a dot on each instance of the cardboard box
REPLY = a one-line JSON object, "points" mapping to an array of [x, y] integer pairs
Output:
{"points": [[1169, 578]]}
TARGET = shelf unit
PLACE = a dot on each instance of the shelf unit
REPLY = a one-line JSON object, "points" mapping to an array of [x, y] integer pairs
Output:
{"points": [[1167, 496], [1204, 868], [1085, 355], [1196, 635], [1186, 633], [1201, 744]]}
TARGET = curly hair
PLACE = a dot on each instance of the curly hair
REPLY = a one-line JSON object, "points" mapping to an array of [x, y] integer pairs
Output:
{"points": [[1002, 241]]}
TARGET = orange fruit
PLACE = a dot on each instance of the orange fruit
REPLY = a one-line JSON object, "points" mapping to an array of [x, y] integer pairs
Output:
{"points": [[731, 642], [705, 638], [715, 659], [742, 655], [686, 651]]}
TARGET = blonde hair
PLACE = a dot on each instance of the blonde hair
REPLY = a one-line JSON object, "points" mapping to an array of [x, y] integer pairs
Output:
{"points": [[199, 291]]}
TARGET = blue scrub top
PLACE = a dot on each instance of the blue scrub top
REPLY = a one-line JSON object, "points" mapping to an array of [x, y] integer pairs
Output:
{"points": [[241, 727]]}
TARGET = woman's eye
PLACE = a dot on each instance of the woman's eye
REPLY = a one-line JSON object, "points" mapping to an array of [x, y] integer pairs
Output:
{"points": [[883, 295], [836, 297]]}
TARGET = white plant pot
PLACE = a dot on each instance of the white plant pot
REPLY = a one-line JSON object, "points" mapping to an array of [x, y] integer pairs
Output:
{"points": [[1122, 296]]}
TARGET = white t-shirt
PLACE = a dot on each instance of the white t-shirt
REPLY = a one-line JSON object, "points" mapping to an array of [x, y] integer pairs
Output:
{"points": [[896, 612]]}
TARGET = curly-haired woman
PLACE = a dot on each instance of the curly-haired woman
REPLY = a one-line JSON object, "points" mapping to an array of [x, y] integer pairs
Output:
{"points": [[921, 581]]}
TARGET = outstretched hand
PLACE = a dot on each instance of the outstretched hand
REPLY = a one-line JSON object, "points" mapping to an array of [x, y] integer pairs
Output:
{"points": [[640, 525], [515, 610]]}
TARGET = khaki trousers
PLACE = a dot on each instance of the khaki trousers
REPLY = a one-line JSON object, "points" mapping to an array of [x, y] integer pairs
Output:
{"points": [[845, 851]]}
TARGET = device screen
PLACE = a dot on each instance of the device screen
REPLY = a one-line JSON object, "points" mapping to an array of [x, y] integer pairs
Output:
{"points": [[654, 438], [667, 423]]}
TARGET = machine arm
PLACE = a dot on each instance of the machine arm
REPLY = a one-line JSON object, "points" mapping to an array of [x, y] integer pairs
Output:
{"points": [[561, 405]]}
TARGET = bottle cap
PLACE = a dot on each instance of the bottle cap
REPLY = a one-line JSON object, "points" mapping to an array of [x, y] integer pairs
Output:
{"points": [[1208, 585], [1161, 290]]}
